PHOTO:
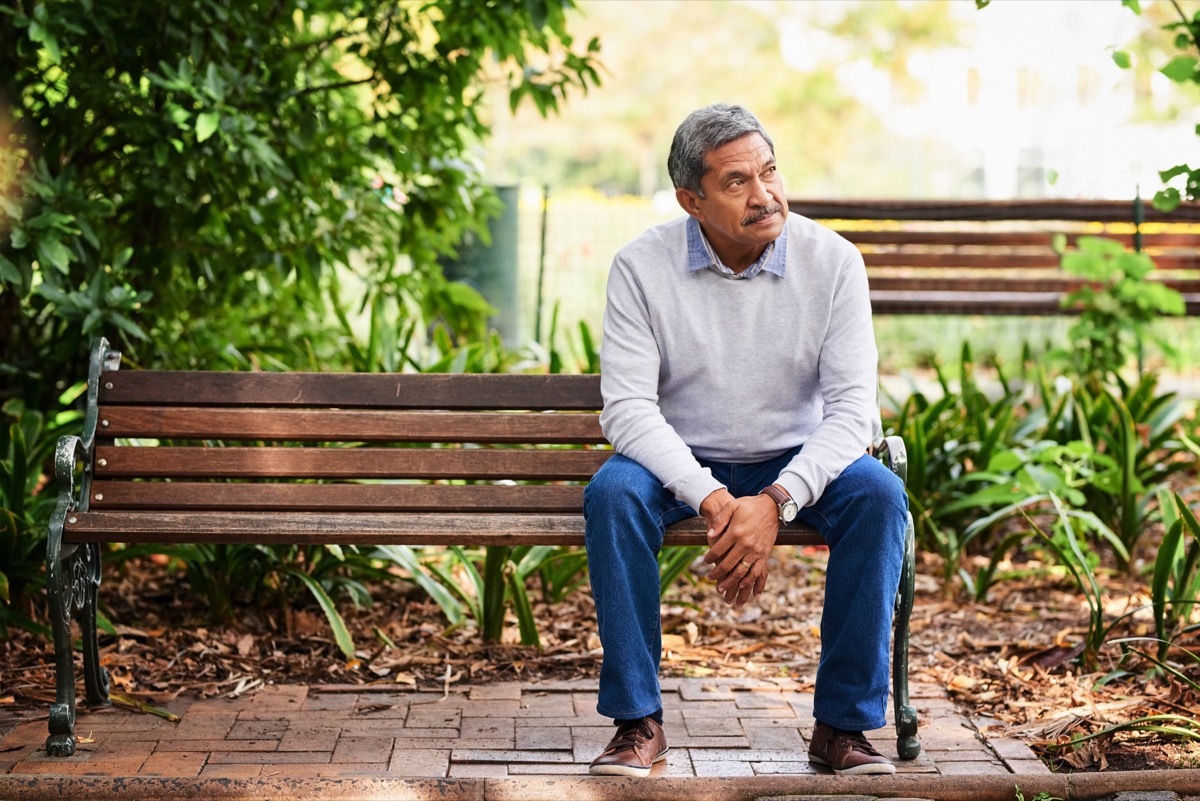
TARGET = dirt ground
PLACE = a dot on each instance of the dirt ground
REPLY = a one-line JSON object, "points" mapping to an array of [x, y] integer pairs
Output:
{"points": [[1010, 662]]}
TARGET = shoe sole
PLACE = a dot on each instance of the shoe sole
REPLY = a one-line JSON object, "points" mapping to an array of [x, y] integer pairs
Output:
{"points": [[626, 770], [869, 769]]}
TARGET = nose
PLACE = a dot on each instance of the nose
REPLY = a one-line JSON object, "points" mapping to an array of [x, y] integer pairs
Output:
{"points": [[759, 196]]}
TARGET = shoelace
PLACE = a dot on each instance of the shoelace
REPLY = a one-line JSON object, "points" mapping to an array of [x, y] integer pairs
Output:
{"points": [[854, 742], [630, 736]]}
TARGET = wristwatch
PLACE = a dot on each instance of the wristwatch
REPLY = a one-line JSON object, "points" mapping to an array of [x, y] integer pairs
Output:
{"points": [[788, 509]]}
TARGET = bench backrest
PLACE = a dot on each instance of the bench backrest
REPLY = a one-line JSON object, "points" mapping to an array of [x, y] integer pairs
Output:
{"points": [[998, 257], [388, 436]]}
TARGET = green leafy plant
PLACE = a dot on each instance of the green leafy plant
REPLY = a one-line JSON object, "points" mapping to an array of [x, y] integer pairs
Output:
{"points": [[212, 183], [1136, 429], [1117, 305], [1182, 182], [1175, 586], [27, 497]]}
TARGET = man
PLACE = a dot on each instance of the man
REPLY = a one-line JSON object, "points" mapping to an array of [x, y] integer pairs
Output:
{"points": [[739, 373]]}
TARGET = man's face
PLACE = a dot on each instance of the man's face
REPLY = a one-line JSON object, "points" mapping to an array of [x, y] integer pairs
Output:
{"points": [[743, 208]]}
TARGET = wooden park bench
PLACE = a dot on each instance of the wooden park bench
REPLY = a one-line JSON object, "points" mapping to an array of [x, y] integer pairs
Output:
{"points": [[309, 458], [998, 257]]}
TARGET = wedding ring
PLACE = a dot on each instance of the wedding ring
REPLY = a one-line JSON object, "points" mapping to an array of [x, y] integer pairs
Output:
{"points": [[747, 564]]}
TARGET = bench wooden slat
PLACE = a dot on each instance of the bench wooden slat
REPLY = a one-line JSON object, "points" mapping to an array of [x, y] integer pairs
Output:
{"points": [[987, 303], [427, 463], [365, 529], [352, 390], [950, 259], [995, 303], [904, 237], [969, 284], [353, 425], [1108, 211], [213, 496]]}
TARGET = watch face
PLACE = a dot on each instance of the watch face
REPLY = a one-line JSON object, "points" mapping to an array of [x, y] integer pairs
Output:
{"points": [[788, 511]]}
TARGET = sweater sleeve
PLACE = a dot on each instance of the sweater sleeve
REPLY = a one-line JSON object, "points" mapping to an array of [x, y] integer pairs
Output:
{"points": [[632, 420], [847, 377]]}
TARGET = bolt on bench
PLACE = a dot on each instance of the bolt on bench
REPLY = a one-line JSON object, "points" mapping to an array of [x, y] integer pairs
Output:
{"points": [[314, 463], [998, 257]]}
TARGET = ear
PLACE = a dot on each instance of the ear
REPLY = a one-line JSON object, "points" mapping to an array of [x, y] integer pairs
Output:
{"points": [[689, 201]]}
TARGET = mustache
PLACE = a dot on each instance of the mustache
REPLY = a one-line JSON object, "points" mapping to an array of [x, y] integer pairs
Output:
{"points": [[762, 215]]}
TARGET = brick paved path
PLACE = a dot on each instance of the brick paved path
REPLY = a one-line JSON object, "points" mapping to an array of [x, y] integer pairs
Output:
{"points": [[716, 728]]}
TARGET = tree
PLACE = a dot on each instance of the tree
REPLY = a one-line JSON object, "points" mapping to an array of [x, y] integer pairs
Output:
{"points": [[216, 182]]}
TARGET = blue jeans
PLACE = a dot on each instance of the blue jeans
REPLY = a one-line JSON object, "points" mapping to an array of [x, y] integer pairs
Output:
{"points": [[862, 516]]}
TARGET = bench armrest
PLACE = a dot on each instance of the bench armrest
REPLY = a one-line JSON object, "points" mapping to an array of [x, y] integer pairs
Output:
{"points": [[892, 450]]}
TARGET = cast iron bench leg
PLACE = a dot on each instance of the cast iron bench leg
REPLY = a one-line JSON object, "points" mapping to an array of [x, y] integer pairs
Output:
{"points": [[72, 583], [907, 744]]}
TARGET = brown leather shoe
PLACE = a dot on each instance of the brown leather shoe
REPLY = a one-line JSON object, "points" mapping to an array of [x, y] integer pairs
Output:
{"points": [[847, 752], [633, 751]]}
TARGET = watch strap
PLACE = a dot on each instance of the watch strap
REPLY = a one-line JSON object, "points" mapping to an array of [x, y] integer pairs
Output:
{"points": [[779, 496]]}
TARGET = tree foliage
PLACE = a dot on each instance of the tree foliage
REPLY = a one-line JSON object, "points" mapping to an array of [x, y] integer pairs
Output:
{"points": [[215, 182]]}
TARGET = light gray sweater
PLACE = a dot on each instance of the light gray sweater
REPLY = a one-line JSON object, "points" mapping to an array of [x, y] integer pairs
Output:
{"points": [[694, 364]]}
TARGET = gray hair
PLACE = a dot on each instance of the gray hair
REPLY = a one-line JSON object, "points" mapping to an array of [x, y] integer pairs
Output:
{"points": [[702, 132]]}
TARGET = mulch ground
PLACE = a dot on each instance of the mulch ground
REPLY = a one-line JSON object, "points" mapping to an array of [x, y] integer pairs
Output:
{"points": [[1010, 663]]}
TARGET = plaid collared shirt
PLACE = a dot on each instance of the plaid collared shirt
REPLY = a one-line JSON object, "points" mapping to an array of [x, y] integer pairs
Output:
{"points": [[701, 256]]}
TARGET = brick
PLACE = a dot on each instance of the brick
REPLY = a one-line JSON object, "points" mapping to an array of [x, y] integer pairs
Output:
{"points": [[476, 755], [363, 749], [762, 700], [500, 691], [203, 728], [714, 727], [1010, 748], [330, 702], [257, 730], [298, 738], [217, 745], [488, 709], [174, 763], [549, 769], [479, 770], [775, 738], [979, 754], [432, 716], [717, 768], [536, 738], [703, 690], [549, 705], [1028, 767], [268, 758], [420, 762], [488, 727], [350, 769], [683, 740], [281, 696], [32, 733], [797, 768], [741, 755], [709, 712], [972, 769]]}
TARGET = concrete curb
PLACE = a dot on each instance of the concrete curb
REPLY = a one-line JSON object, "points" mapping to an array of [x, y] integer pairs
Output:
{"points": [[1068, 787]]}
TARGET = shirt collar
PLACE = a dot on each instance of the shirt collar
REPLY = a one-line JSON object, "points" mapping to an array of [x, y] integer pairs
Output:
{"points": [[701, 256]]}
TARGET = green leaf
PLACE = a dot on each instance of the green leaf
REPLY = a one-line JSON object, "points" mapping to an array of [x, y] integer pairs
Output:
{"points": [[52, 252], [341, 634], [9, 271], [1167, 175], [1133, 5], [1167, 199], [42, 36], [523, 609], [1181, 68], [1121, 59], [206, 125]]}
